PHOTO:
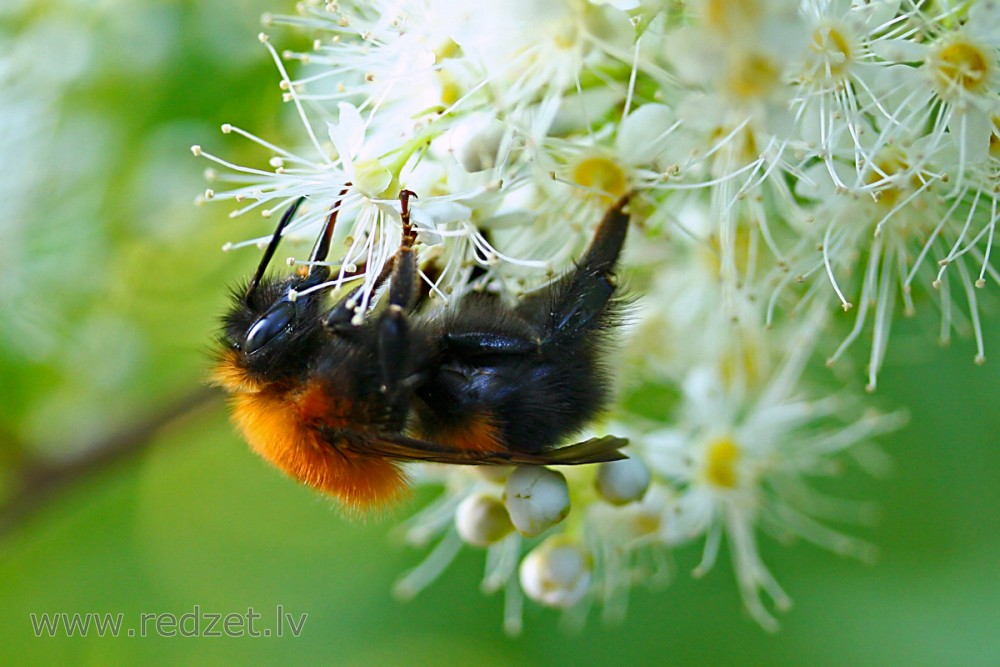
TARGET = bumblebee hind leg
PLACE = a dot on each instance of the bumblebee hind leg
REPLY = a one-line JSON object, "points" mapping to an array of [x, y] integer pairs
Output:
{"points": [[578, 303], [533, 373]]}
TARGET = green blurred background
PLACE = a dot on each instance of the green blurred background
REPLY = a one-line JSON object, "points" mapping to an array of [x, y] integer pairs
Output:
{"points": [[111, 284]]}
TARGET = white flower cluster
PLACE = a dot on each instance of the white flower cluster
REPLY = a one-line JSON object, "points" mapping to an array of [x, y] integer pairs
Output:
{"points": [[787, 159]]}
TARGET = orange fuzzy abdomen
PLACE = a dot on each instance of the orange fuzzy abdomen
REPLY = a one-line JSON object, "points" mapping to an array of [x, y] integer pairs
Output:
{"points": [[277, 428], [477, 433]]}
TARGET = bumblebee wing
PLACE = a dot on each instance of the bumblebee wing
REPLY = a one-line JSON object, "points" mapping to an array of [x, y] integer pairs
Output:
{"points": [[413, 449], [406, 448], [595, 450]]}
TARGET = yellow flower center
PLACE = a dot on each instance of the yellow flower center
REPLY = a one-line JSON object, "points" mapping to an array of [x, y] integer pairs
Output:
{"points": [[449, 49], [565, 36], [834, 49], [602, 175], [646, 522], [720, 462], [741, 146], [451, 91], [752, 77], [959, 67], [731, 17], [885, 171]]}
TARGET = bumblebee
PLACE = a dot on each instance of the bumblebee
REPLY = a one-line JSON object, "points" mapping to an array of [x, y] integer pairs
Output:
{"points": [[339, 404]]}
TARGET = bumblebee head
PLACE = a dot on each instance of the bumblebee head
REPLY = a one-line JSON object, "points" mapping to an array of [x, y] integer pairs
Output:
{"points": [[273, 328], [272, 335]]}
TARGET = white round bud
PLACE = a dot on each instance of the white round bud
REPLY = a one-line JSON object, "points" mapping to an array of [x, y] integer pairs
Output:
{"points": [[622, 482], [495, 474], [476, 143], [556, 573], [537, 499], [482, 520], [371, 178]]}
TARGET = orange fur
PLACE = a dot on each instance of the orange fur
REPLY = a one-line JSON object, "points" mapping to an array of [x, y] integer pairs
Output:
{"points": [[316, 406], [276, 424], [478, 434], [228, 375]]}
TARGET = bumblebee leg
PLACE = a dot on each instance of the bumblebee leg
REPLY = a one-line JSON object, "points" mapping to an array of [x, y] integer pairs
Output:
{"points": [[527, 377], [394, 339], [486, 343], [339, 319], [581, 298]]}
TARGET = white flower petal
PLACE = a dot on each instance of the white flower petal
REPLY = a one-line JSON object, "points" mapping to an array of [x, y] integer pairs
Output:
{"points": [[899, 50]]}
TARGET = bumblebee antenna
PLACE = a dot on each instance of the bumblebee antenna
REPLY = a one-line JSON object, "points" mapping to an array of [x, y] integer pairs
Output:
{"points": [[322, 248], [272, 247]]}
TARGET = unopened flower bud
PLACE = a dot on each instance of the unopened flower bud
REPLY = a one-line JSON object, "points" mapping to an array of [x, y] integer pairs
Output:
{"points": [[622, 482], [556, 573], [537, 499], [371, 178], [476, 143], [495, 474], [482, 520]]}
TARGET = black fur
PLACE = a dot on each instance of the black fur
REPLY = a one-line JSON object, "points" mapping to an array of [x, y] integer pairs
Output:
{"points": [[535, 370], [287, 355]]}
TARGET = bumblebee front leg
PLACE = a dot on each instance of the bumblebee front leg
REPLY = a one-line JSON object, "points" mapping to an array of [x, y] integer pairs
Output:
{"points": [[340, 319], [394, 337]]}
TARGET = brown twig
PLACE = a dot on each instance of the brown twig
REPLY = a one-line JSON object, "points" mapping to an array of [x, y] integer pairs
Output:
{"points": [[41, 481]]}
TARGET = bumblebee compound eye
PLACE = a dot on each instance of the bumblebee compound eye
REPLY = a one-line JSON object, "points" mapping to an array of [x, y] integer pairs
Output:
{"points": [[277, 318]]}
